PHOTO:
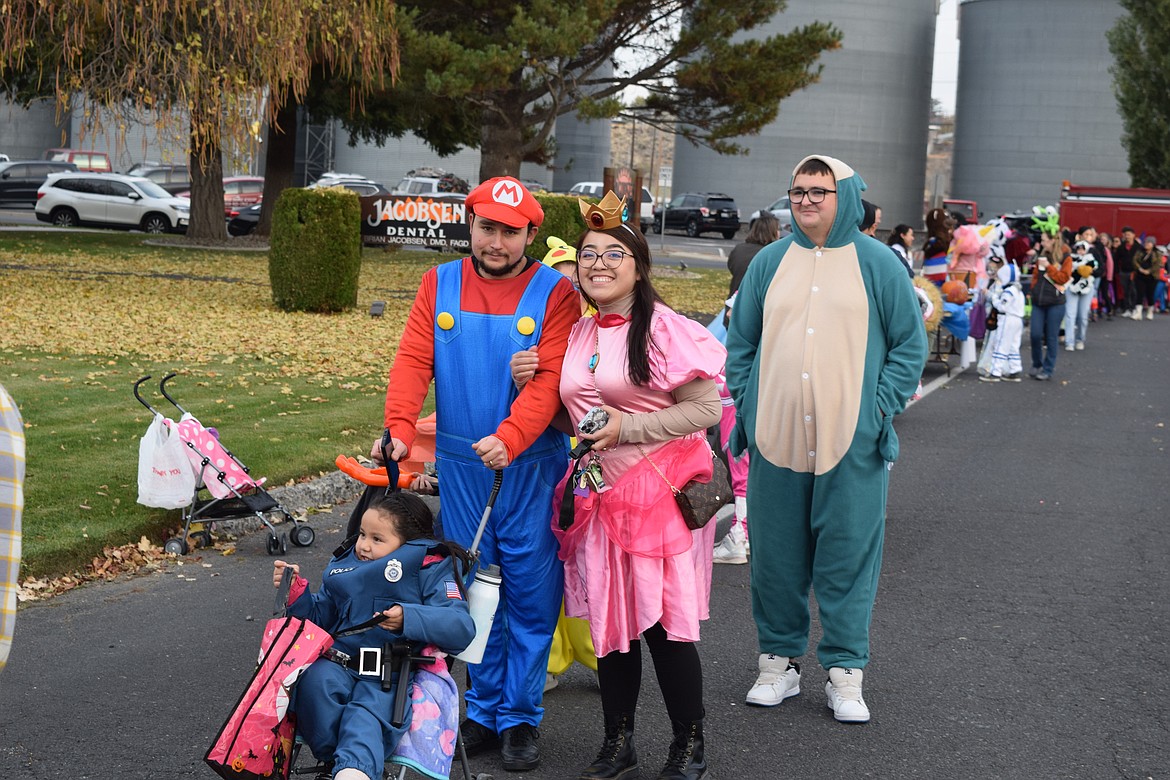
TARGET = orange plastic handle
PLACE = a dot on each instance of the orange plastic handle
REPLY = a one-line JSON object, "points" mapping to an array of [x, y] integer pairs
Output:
{"points": [[376, 477]]}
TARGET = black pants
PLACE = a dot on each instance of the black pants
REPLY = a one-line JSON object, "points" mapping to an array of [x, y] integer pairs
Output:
{"points": [[1105, 296], [1125, 300], [676, 664], [1144, 286]]}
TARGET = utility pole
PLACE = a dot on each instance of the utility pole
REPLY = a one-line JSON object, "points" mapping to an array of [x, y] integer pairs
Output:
{"points": [[633, 135]]}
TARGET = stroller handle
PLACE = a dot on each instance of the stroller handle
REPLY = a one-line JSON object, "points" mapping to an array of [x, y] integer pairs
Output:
{"points": [[392, 470], [487, 512], [142, 400], [162, 386]]}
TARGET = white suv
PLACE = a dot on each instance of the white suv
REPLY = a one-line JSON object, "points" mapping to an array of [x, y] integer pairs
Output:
{"points": [[781, 210], [111, 200], [596, 189]]}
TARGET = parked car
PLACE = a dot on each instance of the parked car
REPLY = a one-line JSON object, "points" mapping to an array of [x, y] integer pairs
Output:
{"points": [[781, 210], [596, 189], [110, 200], [20, 180], [245, 220], [431, 181], [698, 213], [332, 179], [174, 179], [84, 159], [359, 184], [239, 192]]}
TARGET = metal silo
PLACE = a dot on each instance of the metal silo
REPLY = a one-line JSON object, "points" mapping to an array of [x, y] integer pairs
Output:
{"points": [[1035, 102], [25, 134], [870, 108]]}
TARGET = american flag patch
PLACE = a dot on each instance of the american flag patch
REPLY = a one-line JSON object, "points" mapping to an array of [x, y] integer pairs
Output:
{"points": [[453, 591]]}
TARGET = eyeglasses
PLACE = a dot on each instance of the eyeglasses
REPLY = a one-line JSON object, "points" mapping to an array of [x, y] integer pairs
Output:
{"points": [[610, 258], [814, 195]]}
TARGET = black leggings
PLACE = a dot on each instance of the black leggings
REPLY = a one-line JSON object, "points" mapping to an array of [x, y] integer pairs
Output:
{"points": [[1144, 286], [676, 664]]}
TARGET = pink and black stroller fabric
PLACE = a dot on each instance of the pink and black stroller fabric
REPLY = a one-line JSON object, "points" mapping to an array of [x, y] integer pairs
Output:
{"points": [[257, 740], [224, 488]]}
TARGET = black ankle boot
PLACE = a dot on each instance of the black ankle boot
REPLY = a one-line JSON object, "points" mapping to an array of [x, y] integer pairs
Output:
{"points": [[686, 761], [617, 758]]}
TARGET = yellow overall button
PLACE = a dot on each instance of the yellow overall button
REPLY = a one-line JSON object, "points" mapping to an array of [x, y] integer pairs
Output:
{"points": [[526, 326], [445, 320]]}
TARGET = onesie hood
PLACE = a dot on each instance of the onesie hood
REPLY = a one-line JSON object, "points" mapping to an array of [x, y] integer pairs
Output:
{"points": [[849, 209]]}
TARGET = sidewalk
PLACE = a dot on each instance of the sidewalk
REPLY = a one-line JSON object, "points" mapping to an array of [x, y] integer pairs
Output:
{"points": [[1020, 628]]}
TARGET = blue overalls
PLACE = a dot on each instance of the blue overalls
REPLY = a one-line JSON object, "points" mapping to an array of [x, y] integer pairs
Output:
{"points": [[474, 393], [342, 715]]}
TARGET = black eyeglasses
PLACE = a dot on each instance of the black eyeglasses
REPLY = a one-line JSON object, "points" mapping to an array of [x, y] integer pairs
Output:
{"points": [[610, 258], [814, 195]]}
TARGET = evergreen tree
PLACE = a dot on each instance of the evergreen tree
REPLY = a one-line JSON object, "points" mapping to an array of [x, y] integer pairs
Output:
{"points": [[1140, 43], [495, 76]]}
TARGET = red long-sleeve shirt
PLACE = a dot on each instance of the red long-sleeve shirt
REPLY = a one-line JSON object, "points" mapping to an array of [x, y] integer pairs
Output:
{"points": [[414, 365]]}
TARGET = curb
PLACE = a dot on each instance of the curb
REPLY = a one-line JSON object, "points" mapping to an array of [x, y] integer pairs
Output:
{"points": [[299, 499]]}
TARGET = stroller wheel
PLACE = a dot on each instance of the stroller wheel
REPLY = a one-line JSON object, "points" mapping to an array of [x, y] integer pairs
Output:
{"points": [[283, 544], [272, 545], [175, 546], [302, 536]]}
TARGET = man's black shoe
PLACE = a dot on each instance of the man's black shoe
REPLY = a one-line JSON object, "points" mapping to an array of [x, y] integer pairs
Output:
{"points": [[477, 737], [519, 749]]}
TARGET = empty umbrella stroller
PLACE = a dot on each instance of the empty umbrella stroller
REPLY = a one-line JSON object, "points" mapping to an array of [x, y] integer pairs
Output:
{"points": [[224, 488]]}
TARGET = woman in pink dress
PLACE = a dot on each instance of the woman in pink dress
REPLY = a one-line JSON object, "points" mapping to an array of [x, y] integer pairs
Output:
{"points": [[632, 567]]}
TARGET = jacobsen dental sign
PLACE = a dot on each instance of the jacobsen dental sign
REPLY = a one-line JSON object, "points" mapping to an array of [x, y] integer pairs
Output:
{"points": [[438, 221]]}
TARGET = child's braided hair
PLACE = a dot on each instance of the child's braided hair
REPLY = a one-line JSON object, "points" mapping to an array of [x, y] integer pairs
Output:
{"points": [[412, 519]]}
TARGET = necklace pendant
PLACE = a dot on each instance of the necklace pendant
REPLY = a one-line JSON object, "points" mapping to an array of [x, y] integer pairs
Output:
{"points": [[593, 362]]}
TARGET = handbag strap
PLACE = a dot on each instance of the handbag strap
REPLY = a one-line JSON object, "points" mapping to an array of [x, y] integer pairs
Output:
{"points": [[669, 484], [286, 579]]}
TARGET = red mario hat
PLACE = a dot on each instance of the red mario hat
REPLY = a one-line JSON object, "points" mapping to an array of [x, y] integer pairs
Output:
{"points": [[505, 200]]}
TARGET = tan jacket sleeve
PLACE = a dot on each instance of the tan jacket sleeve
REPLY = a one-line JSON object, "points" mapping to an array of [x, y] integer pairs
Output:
{"points": [[696, 408]]}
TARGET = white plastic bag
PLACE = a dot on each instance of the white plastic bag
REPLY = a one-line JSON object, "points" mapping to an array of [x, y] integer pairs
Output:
{"points": [[165, 477]]}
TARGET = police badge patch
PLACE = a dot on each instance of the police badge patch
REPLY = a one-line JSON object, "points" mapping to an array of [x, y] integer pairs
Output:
{"points": [[393, 571]]}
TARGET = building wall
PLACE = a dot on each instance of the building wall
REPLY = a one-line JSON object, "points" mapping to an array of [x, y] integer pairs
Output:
{"points": [[1035, 102], [871, 109], [25, 134], [583, 151]]}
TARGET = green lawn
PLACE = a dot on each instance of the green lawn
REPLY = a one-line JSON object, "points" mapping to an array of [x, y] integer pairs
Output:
{"points": [[83, 315]]}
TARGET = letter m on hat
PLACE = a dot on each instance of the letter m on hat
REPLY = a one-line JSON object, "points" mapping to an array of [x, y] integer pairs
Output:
{"points": [[507, 193]]}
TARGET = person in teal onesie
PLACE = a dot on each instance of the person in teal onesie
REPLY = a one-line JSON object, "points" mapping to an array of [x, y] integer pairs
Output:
{"points": [[825, 346]]}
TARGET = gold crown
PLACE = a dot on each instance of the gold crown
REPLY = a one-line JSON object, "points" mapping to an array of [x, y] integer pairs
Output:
{"points": [[606, 215]]}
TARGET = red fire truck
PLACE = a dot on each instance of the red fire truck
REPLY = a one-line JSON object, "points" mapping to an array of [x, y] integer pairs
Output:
{"points": [[1110, 209]]}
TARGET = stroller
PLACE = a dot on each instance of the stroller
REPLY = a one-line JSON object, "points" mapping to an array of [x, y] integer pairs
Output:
{"points": [[428, 686], [231, 491]]}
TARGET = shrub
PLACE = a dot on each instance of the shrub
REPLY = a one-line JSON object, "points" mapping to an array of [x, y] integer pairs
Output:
{"points": [[562, 218], [316, 250]]}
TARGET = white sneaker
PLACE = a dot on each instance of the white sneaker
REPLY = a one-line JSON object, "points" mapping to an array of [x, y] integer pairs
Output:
{"points": [[779, 680], [1149, 312], [733, 548], [844, 695], [550, 681]]}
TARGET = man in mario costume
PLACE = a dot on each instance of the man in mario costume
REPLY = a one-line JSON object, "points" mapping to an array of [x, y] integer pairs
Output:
{"points": [[469, 317]]}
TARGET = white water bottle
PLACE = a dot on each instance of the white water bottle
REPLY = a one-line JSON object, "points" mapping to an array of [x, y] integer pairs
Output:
{"points": [[482, 597]]}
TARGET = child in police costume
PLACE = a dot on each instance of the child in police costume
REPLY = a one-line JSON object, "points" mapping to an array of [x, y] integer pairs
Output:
{"points": [[394, 568]]}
